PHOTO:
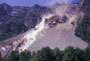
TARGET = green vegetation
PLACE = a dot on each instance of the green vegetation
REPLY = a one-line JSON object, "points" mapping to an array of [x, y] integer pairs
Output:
{"points": [[86, 7], [47, 54], [10, 29], [19, 20], [83, 29], [19, 23]]}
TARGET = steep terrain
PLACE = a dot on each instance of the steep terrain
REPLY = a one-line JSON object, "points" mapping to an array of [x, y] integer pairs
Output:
{"points": [[15, 20], [83, 29], [60, 30], [39, 27]]}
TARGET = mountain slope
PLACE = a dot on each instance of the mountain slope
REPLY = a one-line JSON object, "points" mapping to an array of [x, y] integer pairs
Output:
{"points": [[16, 20], [36, 27]]}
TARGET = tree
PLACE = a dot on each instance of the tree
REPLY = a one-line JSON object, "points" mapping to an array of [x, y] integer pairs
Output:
{"points": [[68, 54], [25, 56], [79, 54], [0, 57], [14, 56], [87, 54], [46, 54], [57, 54], [73, 54]]}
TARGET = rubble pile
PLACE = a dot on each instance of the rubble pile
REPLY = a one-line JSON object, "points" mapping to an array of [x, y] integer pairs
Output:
{"points": [[55, 20]]}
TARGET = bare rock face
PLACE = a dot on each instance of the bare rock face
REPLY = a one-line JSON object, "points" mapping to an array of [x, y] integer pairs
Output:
{"points": [[55, 20], [64, 19]]}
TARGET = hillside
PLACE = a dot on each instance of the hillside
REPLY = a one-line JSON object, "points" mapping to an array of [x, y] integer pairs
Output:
{"points": [[15, 20], [38, 27], [83, 29]]}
